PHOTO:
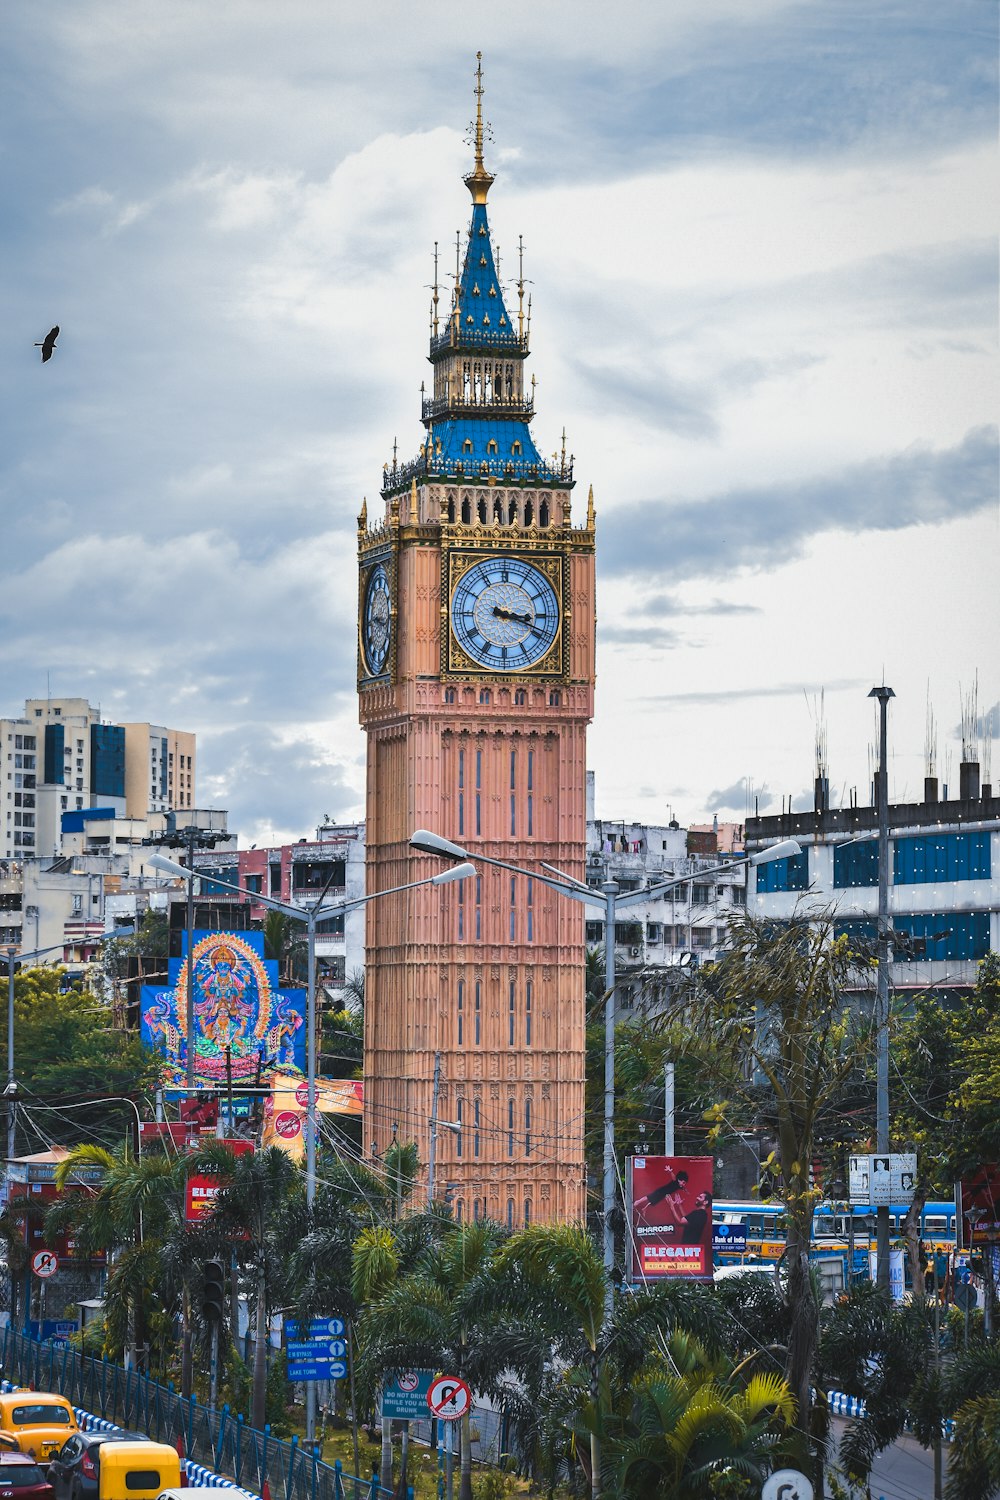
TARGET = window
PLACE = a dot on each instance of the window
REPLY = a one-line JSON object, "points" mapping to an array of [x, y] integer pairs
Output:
{"points": [[479, 1012], [530, 910], [461, 911], [511, 1014], [527, 1127], [595, 932], [460, 1018], [458, 1132], [479, 784], [527, 1211], [515, 448], [475, 1128], [513, 910], [555, 698], [274, 880], [701, 895], [485, 695], [784, 874], [527, 1014], [513, 793], [701, 937], [318, 875], [461, 795], [520, 698], [252, 884], [930, 935], [479, 904], [467, 445], [449, 695], [531, 793], [941, 857], [491, 446], [654, 932], [510, 1225], [510, 1127], [853, 865]]}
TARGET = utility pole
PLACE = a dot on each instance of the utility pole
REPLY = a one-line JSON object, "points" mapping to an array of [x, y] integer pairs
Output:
{"points": [[668, 1109], [610, 889], [11, 1089], [432, 1153], [883, 694]]}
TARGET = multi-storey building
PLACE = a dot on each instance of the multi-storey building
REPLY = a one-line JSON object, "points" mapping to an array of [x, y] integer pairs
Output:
{"points": [[683, 927], [61, 756], [944, 877], [475, 677], [299, 873]]}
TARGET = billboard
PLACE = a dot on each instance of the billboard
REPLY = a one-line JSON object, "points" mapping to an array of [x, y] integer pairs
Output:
{"points": [[670, 1217], [979, 1220], [285, 1111], [240, 1013]]}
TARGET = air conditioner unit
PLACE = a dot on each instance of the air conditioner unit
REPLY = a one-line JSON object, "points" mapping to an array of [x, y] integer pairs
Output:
{"points": [[594, 859], [635, 952]]}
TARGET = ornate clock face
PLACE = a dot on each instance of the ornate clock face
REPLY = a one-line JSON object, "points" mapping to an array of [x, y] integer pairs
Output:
{"points": [[377, 620], [505, 614]]}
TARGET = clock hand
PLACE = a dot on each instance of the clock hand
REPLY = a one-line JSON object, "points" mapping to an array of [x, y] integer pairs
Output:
{"points": [[508, 614]]}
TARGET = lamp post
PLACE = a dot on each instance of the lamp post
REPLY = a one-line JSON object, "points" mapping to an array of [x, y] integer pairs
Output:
{"points": [[611, 900], [883, 694], [311, 915]]}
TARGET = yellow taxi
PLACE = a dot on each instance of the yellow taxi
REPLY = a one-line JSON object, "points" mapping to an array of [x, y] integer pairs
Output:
{"points": [[138, 1471], [38, 1422]]}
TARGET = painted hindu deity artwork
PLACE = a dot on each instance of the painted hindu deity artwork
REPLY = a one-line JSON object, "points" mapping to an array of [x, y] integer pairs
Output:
{"points": [[239, 1011]]}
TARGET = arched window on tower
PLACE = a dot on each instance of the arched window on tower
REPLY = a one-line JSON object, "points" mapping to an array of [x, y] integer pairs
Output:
{"points": [[520, 698], [467, 446], [543, 513], [510, 1213], [491, 446], [555, 698], [466, 512], [484, 696], [482, 509], [497, 508], [529, 513], [512, 511], [451, 508], [516, 448]]}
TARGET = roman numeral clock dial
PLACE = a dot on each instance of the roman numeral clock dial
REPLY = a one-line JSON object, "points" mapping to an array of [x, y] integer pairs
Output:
{"points": [[505, 616]]}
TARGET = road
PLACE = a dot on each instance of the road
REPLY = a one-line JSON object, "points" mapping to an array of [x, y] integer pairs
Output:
{"points": [[903, 1472]]}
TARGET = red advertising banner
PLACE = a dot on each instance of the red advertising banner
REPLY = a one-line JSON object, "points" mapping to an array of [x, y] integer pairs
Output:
{"points": [[980, 1206], [202, 1192], [670, 1214]]}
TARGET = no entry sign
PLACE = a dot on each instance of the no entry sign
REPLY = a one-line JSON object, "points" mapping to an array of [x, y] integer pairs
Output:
{"points": [[449, 1398]]}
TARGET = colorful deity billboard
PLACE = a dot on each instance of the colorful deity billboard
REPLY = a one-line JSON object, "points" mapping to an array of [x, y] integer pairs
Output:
{"points": [[239, 1009], [670, 1217]]}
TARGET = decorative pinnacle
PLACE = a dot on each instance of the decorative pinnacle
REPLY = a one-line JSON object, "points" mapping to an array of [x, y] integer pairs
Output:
{"points": [[479, 181]]}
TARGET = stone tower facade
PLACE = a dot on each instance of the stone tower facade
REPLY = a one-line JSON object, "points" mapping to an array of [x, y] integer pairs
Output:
{"points": [[475, 679]]}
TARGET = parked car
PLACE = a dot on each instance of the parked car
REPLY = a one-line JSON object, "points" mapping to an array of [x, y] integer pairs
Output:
{"points": [[75, 1472], [22, 1479], [39, 1421]]}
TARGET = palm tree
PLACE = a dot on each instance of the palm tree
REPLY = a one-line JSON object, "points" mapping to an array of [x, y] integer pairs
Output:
{"points": [[689, 1425], [564, 1279], [432, 1312], [261, 1215]]}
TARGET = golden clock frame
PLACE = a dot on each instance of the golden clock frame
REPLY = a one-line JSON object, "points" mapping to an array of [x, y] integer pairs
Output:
{"points": [[386, 557], [455, 662]]}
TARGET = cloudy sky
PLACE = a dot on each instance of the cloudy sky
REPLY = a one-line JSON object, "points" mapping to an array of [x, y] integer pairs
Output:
{"points": [[762, 242]]}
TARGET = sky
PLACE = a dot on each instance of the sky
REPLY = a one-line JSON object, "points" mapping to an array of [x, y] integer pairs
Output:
{"points": [[762, 250]]}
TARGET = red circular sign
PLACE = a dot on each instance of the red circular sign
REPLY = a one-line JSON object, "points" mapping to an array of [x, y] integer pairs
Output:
{"points": [[287, 1124], [44, 1263], [449, 1398], [302, 1095]]}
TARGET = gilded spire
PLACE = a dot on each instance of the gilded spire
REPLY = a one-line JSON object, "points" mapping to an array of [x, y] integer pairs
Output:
{"points": [[479, 181]]}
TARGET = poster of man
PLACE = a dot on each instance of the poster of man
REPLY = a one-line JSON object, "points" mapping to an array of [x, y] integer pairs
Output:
{"points": [[980, 1204], [670, 1214]]}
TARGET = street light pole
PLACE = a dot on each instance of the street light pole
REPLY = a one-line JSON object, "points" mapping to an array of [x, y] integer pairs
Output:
{"points": [[610, 898], [883, 694]]}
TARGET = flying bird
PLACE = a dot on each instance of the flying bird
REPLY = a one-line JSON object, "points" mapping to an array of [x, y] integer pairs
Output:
{"points": [[49, 343]]}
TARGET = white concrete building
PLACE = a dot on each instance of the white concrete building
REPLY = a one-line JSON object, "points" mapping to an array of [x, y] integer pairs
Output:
{"points": [[944, 878], [61, 756], [686, 925]]}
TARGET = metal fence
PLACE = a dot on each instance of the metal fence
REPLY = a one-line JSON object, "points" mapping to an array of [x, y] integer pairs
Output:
{"points": [[221, 1441]]}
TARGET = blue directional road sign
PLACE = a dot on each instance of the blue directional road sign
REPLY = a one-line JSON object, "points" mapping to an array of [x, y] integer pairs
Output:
{"points": [[317, 1352]]}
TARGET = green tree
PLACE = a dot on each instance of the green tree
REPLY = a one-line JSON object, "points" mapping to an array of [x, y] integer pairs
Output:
{"points": [[776, 1036], [260, 1215], [691, 1426]]}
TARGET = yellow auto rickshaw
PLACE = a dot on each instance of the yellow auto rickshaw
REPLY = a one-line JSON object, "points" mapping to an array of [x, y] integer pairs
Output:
{"points": [[137, 1471], [38, 1422]]}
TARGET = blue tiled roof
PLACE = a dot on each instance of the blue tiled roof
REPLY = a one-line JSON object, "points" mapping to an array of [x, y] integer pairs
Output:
{"points": [[454, 433], [481, 305]]}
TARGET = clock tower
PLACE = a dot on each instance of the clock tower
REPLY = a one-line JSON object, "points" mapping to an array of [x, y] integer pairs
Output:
{"points": [[476, 683]]}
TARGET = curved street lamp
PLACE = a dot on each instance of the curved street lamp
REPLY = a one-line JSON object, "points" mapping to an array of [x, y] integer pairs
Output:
{"points": [[610, 898]]}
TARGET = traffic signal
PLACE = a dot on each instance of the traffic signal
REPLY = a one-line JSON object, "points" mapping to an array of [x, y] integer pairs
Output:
{"points": [[213, 1292]]}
